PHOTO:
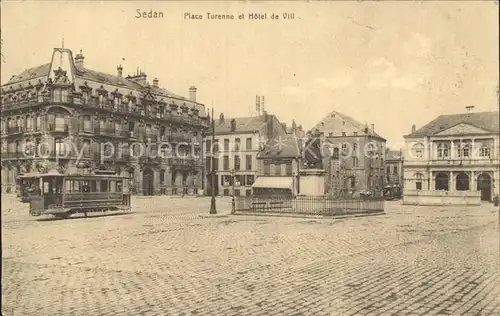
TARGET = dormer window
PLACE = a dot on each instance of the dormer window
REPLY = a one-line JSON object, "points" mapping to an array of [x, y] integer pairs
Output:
{"points": [[56, 95], [233, 125], [85, 97]]}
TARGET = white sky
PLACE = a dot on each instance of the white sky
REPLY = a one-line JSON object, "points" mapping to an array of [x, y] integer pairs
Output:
{"points": [[392, 64]]}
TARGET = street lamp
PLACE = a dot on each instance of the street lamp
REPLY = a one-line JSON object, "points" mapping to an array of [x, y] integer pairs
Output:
{"points": [[213, 209], [233, 207]]}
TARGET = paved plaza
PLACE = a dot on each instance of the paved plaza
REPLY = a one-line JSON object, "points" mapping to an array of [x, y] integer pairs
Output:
{"points": [[166, 259]]}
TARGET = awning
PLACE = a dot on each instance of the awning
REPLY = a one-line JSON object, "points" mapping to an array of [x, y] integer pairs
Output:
{"points": [[273, 183]]}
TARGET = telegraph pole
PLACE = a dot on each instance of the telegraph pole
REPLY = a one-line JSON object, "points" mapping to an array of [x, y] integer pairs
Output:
{"points": [[213, 209]]}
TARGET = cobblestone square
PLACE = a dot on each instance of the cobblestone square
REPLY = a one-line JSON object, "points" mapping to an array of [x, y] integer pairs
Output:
{"points": [[164, 258]]}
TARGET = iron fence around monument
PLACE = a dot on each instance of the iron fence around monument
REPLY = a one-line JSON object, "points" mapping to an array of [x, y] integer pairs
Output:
{"points": [[308, 205]]}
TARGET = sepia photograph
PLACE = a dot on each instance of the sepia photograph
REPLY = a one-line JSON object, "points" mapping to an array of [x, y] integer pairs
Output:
{"points": [[294, 158]]}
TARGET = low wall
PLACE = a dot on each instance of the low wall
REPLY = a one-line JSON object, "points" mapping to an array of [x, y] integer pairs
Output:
{"points": [[414, 197]]}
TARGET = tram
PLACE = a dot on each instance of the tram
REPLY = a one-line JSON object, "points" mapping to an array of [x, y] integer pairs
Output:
{"points": [[27, 185], [63, 195]]}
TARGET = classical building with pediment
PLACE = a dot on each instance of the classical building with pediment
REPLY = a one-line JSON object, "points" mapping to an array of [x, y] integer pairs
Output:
{"points": [[64, 115], [454, 155]]}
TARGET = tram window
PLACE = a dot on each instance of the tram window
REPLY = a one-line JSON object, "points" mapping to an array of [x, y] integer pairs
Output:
{"points": [[93, 186], [85, 187], [46, 187], [112, 186], [72, 186], [104, 186]]}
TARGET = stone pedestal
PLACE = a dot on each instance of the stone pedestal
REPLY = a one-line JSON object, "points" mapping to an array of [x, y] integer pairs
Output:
{"points": [[312, 182]]}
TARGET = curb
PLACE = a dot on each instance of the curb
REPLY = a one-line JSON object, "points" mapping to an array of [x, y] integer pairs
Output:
{"points": [[214, 215], [313, 216]]}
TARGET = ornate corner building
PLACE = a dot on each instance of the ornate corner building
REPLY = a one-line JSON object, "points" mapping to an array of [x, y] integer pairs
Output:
{"points": [[65, 116]]}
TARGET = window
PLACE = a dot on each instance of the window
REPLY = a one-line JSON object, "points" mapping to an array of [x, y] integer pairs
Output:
{"points": [[484, 151], [60, 147], [226, 162], [85, 97], [289, 168], [56, 95], [395, 169], [236, 192], [443, 151], [249, 143], [216, 163], [87, 124], [248, 161], [248, 192], [226, 180], [250, 180], [343, 133], [208, 145], [64, 96], [237, 180], [336, 153], [208, 164], [267, 168], [277, 169], [237, 144], [355, 161], [216, 145], [388, 169], [463, 150], [237, 163], [101, 99], [226, 144], [330, 134], [86, 148], [418, 184]]}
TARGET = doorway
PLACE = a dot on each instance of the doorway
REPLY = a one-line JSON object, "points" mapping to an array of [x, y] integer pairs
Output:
{"points": [[147, 182], [484, 185]]}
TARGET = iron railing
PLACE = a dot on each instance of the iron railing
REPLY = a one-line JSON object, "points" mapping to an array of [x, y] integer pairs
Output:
{"points": [[307, 205]]}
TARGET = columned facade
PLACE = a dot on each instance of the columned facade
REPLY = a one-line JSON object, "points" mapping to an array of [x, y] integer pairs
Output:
{"points": [[459, 156]]}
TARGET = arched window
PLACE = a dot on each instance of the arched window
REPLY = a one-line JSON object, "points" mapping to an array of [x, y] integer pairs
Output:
{"points": [[443, 151], [417, 150], [419, 179], [442, 181], [462, 182]]}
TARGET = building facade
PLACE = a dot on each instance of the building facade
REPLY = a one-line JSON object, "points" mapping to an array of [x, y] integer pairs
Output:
{"points": [[278, 167], [394, 167], [353, 155], [237, 143], [64, 115], [453, 153]]}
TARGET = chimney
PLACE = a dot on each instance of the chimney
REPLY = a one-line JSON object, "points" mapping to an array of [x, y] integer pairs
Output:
{"points": [[372, 128], [155, 82], [469, 108], [284, 126], [192, 93], [79, 60], [413, 128], [233, 125], [221, 118]]}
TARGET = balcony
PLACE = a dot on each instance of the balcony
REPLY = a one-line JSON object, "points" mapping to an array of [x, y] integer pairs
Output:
{"points": [[152, 136], [15, 155], [108, 131], [63, 128], [480, 161], [176, 138], [15, 130]]}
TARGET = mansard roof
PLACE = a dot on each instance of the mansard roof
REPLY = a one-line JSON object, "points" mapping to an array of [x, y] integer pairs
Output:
{"points": [[485, 120], [109, 81]]}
